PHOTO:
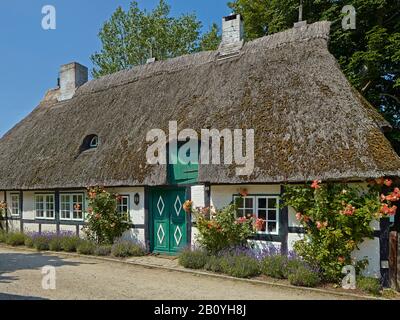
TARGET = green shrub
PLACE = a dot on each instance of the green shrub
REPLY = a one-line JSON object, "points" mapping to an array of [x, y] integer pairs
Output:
{"points": [[104, 222], [15, 239], [102, 250], [241, 266], [213, 264], [70, 244], [29, 242], [303, 276], [370, 285], [55, 244], [275, 266], [127, 249], [337, 218], [3, 237], [195, 259], [222, 229], [86, 247], [41, 243]]}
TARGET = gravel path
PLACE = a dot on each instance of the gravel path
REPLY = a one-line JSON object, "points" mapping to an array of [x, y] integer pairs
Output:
{"points": [[83, 278]]}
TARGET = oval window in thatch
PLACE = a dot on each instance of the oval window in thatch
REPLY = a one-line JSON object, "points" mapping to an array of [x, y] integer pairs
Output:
{"points": [[89, 142]]}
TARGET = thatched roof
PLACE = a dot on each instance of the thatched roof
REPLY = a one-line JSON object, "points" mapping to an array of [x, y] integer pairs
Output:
{"points": [[309, 122]]}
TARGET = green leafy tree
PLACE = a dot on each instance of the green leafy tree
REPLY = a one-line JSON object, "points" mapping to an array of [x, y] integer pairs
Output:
{"points": [[369, 55], [130, 37], [211, 39]]}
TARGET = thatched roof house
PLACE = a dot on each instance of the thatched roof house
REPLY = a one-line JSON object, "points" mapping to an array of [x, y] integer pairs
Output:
{"points": [[309, 122]]}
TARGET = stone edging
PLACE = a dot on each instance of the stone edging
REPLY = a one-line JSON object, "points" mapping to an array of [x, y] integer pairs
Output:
{"points": [[197, 272]]}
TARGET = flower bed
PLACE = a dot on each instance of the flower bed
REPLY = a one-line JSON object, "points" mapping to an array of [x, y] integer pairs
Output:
{"points": [[269, 265], [69, 242], [244, 262]]}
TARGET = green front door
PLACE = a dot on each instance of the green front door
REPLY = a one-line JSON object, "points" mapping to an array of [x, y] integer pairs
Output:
{"points": [[169, 220]]}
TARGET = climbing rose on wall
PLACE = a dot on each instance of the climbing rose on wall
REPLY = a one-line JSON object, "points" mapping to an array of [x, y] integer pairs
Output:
{"points": [[221, 229], [3, 207], [104, 223], [187, 206], [337, 218]]}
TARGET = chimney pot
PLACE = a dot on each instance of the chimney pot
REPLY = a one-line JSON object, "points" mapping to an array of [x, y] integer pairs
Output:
{"points": [[150, 60], [232, 35], [72, 76], [300, 24], [232, 29]]}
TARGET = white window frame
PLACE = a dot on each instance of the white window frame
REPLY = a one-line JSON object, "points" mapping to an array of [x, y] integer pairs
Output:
{"points": [[94, 142], [72, 209], [256, 209], [127, 197], [18, 207], [46, 210]]}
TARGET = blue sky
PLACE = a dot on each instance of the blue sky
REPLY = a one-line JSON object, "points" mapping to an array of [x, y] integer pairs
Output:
{"points": [[30, 57]]}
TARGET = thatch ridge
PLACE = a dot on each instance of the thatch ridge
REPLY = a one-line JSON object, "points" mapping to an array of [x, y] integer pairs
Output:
{"points": [[309, 121]]}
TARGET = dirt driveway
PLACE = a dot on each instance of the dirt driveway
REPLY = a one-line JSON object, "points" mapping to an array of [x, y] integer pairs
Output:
{"points": [[83, 278]]}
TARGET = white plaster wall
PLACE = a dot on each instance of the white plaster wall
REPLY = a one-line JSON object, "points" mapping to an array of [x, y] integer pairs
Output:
{"points": [[370, 249], [49, 228], [31, 227], [136, 211], [135, 235], [260, 245], [14, 225], [67, 228], [197, 196], [292, 238], [195, 233], [29, 205], [221, 196]]}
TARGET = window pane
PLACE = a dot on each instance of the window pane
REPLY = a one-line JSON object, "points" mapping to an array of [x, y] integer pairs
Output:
{"points": [[15, 205], [77, 214], [248, 202], [262, 203], [272, 203], [264, 225], [77, 207], [249, 212], [262, 214], [272, 227], [272, 215]]}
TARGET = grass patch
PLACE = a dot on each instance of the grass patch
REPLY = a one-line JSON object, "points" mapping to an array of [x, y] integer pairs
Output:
{"points": [[370, 285]]}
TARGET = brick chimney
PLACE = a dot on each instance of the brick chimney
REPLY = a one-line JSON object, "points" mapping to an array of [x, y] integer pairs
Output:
{"points": [[72, 76], [232, 35]]}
